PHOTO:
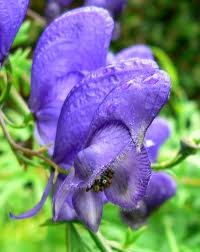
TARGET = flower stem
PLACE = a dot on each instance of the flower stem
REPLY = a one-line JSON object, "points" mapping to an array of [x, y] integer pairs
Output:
{"points": [[69, 237], [27, 151], [35, 16], [100, 241], [188, 147]]}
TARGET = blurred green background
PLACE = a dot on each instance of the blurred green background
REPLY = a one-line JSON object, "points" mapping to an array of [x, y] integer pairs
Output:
{"points": [[172, 29]]}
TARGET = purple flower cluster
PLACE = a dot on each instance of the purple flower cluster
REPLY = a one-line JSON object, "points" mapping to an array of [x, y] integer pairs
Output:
{"points": [[12, 13], [95, 108]]}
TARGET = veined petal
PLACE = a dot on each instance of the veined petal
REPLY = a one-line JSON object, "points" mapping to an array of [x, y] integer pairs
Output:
{"points": [[12, 13], [156, 135], [161, 188], [105, 146], [63, 194], [131, 176], [112, 150], [81, 104], [37, 208], [89, 207], [67, 211], [75, 42], [139, 51], [134, 104]]}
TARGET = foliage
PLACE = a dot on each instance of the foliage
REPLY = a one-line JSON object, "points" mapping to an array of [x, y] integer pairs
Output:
{"points": [[175, 227]]}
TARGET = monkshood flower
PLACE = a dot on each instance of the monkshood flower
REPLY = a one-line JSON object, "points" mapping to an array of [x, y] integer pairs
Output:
{"points": [[106, 112], [161, 188], [54, 8], [115, 7], [12, 13]]}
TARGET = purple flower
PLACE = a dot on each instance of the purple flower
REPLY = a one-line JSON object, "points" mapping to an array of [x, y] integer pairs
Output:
{"points": [[54, 8], [155, 137], [12, 13], [115, 7], [106, 112], [161, 188]]}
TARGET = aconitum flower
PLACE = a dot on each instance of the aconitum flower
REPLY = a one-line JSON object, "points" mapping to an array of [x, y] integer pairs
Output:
{"points": [[12, 13], [54, 8], [106, 112], [115, 7], [161, 188]]}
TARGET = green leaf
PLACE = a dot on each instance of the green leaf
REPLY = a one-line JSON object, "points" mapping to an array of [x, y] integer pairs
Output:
{"points": [[74, 242], [23, 34], [132, 236]]}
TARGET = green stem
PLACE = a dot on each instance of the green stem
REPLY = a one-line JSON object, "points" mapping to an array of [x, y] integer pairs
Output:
{"points": [[8, 82], [19, 102], [188, 147], [69, 237], [170, 163], [29, 152], [100, 241]]}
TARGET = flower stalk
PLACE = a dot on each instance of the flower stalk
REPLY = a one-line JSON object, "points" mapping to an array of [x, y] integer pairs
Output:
{"points": [[188, 147], [28, 152]]}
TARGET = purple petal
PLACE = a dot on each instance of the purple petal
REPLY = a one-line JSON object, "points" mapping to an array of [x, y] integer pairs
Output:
{"points": [[37, 208], [53, 10], [114, 6], [135, 104], [89, 208], [74, 43], [63, 194], [67, 211], [12, 13], [131, 176], [156, 135], [161, 188], [64, 2], [111, 148], [105, 147], [136, 217], [140, 51], [82, 102]]}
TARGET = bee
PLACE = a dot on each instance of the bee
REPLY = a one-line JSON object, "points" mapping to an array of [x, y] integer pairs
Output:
{"points": [[103, 182]]}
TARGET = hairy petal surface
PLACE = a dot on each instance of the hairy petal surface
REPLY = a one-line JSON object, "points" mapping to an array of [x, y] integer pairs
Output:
{"points": [[81, 104], [140, 51], [12, 13], [134, 104], [157, 133], [131, 176], [38, 207]]}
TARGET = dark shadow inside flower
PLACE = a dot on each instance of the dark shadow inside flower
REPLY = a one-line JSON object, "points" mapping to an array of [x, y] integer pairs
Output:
{"points": [[161, 188]]}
